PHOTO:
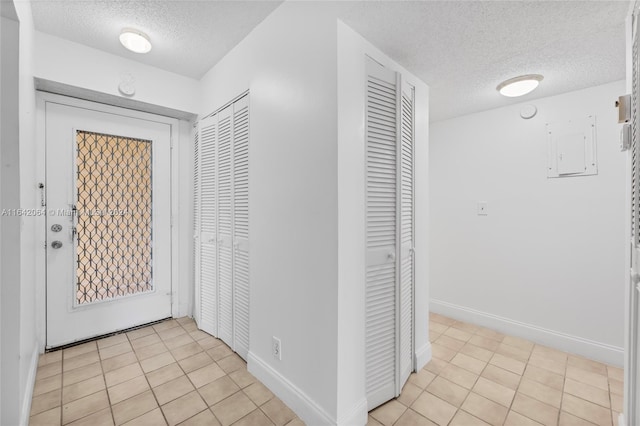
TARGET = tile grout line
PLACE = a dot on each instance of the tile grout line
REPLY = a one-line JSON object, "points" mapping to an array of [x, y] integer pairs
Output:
{"points": [[144, 374], [515, 391], [480, 375], [610, 396], [84, 396], [189, 379], [62, 383], [104, 379], [472, 386], [564, 384]]}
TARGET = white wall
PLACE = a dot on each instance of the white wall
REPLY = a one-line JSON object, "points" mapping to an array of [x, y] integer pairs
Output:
{"points": [[74, 64], [1, 306], [29, 199], [352, 52], [183, 190], [547, 263], [9, 224], [288, 63]]}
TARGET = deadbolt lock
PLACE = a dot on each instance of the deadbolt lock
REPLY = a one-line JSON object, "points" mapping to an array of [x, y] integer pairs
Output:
{"points": [[56, 227]]}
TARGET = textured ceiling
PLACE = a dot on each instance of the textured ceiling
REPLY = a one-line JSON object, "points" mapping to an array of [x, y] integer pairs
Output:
{"points": [[462, 49], [188, 37]]}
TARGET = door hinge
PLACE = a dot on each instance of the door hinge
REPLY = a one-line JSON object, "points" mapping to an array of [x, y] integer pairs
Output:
{"points": [[43, 201]]}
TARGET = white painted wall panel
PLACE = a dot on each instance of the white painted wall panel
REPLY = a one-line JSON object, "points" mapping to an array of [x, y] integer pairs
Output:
{"points": [[547, 262], [293, 193]]}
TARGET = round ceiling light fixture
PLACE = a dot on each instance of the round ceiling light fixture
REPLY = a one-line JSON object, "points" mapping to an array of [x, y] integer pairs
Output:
{"points": [[134, 40], [519, 86]]}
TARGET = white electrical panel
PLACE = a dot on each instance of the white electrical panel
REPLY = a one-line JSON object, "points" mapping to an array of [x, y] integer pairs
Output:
{"points": [[572, 148]]}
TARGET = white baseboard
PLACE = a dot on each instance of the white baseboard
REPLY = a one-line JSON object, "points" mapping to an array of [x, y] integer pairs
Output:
{"points": [[597, 351], [357, 416], [307, 409], [28, 392], [423, 356], [621, 420]]}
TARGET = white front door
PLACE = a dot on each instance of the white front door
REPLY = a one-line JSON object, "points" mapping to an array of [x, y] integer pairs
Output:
{"points": [[108, 236]]}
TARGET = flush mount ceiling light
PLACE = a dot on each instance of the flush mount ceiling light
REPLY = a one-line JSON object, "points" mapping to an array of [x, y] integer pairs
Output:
{"points": [[134, 40], [519, 86]]}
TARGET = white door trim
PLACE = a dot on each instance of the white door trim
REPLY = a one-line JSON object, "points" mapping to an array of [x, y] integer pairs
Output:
{"points": [[40, 162], [630, 404]]}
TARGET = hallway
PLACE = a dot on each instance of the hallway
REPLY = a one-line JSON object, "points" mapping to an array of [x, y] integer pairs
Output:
{"points": [[167, 373], [172, 373], [478, 377]]}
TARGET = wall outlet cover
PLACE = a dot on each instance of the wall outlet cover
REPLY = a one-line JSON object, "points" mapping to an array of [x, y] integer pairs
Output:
{"points": [[276, 348], [483, 208]]}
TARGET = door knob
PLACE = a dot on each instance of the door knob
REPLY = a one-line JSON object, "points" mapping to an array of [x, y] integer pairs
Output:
{"points": [[56, 244]]}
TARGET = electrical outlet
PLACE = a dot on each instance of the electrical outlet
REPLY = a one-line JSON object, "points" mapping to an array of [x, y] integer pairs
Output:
{"points": [[483, 208], [276, 348]]}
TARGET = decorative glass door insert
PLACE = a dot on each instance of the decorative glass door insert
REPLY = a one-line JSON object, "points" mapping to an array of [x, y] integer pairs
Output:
{"points": [[113, 217]]}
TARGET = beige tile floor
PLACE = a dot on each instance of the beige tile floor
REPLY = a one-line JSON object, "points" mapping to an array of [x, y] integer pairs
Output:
{"points": [[478, 377], [168, 373], [171, 373]]}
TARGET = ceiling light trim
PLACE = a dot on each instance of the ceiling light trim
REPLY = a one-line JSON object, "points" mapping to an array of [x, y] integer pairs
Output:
{"points": [[134, 40], [517, 86]]}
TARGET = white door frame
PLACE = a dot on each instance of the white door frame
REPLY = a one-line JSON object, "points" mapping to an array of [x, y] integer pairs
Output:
{"points": [[40, 165], [630, 405]]}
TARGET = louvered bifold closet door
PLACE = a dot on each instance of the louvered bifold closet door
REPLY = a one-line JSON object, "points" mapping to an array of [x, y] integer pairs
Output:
{"points": [[206, 204], [381, 194], [225, 225], [196, 218], [406, 233], [241, 226]]}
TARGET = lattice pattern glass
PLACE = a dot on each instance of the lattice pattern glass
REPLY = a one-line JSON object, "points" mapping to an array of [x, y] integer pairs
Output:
{"points": [[114, 216]]}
